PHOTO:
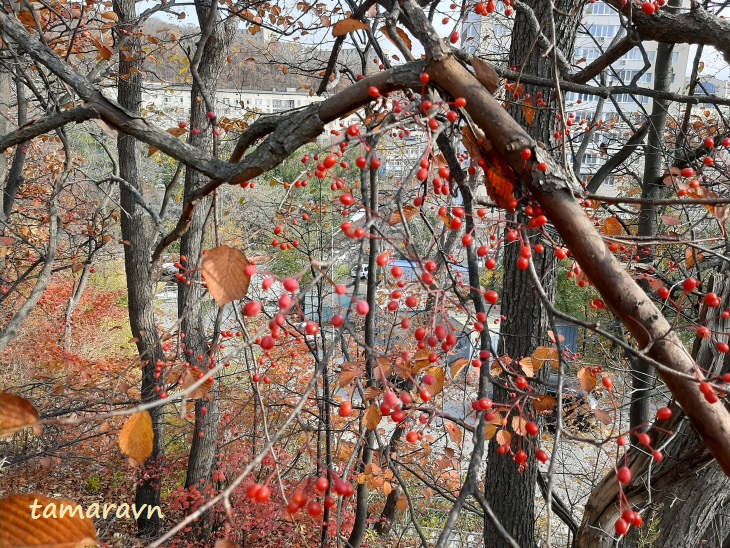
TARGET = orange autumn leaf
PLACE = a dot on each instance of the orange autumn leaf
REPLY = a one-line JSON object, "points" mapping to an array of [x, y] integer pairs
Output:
{"points": [[59, 530], [16, 413], [224, 271], [137, 437], [500, 180], [345, 26]]}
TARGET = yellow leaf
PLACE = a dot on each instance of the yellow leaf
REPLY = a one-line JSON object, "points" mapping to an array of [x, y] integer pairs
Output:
{"points": [[437, 386], [16, 413], [457, 367], [69, 530], [224, 272], [348, 25], [136, 438], [372, 417], [545, 355]]}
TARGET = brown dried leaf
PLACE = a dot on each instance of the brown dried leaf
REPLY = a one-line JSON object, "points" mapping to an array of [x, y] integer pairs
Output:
{"points": [[439, 375], [175, 132], [454, 432], [16, 413], [345, 26], [136, 438], [611, 227], [110, 15], [471, 141], [587, 379], [387, 488], [401, 34], [402, 504], [544, 403], [420, 362], [224, 543], [528, 367], [224, 272], [518, 425], [19, 529], [545, 355], [489, 431], [346, 377], [504, 437], [372, 417], [371, 393], [671, 220], [409, 212], [528, 109], [457, 367], [602, 416], [485, 74]]}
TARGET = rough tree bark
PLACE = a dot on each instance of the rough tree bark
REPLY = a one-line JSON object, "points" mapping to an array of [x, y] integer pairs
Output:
{"points": [[137, 231], [208, 61], [511, 492]]}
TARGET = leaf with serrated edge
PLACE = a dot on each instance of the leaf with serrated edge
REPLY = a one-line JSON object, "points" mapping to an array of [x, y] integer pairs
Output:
{"points": [[372, 417], [543, 355], [544, 403], [224, 272], [504, 437], [518, 425], [68, 530], [489, 431]]}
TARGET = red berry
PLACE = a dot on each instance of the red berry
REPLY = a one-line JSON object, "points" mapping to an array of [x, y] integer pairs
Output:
{"points": [[491, 296], [532, 429], [252, 309], [526, 153], [664, 413], [623, 475], [690, 284], [520, 457], [622, 527], [460, 102], [663, 293], [362, 308], [345, 409], [373, 92], [454, 38], [648, 8]]}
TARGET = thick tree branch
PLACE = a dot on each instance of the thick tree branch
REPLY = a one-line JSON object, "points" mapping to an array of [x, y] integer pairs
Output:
{"points": [[38, 127]]}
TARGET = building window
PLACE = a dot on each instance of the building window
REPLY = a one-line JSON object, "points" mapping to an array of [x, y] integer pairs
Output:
{"points": [[603, 31], [599, 8], [627, 76], [675, 57], [627, 98], [582, 97], [259, 102], [589, 54]]}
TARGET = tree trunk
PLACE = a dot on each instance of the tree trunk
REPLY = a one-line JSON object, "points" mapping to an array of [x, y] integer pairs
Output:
{"points": [[511, 493], [642, 373], [140, 283], [215, 42]]}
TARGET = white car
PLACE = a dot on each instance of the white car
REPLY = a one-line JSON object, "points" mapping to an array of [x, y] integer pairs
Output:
{"points": [[361, 269]]}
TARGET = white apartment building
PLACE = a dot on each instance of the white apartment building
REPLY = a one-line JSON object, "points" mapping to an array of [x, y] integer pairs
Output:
{"points": [[229, 102], [600, 28]]}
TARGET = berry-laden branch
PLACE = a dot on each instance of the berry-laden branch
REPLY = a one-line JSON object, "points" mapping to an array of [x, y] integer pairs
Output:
{"points": [[625, 298]]}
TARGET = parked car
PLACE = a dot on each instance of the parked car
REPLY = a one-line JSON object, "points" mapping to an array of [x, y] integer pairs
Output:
{"points": [[360, 270]]}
